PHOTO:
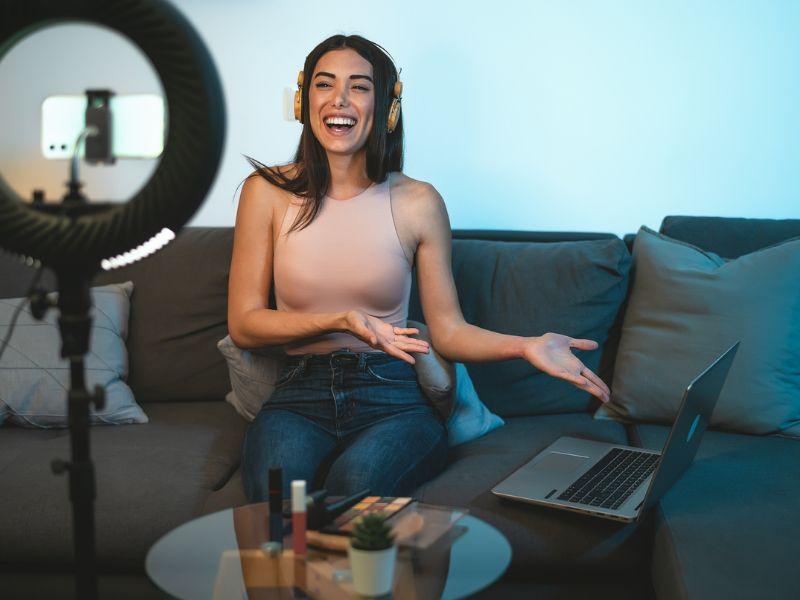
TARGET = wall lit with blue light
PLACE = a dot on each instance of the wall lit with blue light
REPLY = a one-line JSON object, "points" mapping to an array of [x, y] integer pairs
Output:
{"points": [[592, 116]]}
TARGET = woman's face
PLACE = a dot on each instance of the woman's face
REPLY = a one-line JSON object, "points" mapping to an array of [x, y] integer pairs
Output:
{"points": [[341, 85]]}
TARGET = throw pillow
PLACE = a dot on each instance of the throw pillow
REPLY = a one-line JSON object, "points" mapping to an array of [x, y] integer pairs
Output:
{"points": [[449, 387], [252, 373], [686, 306], [436, 374], [34, 379], [470, 418]]}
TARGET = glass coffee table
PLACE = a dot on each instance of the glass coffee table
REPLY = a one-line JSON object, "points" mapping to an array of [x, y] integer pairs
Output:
{"points": [[221, 556]]}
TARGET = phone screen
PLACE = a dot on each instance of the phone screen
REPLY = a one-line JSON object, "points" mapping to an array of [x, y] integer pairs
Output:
{"points": [[138, 125]]}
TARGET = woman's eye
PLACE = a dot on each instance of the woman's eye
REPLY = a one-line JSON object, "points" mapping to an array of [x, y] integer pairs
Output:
{"points": [[358, 87]]}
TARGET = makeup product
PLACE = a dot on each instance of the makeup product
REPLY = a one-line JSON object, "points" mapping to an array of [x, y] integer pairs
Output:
{"points": [[390, 505], [322, 512], [275, 506], [299, 516]]}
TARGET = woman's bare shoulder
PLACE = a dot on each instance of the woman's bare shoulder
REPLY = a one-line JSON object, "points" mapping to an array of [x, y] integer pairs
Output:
{"points": [[414, 195], [267, 188], [410, 188]]}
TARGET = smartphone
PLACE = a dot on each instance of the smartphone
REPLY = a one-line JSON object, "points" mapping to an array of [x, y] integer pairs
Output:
{"points": [[138, 125]]}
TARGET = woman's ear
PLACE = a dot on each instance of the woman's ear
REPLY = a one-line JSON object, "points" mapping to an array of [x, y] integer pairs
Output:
{"points": [[436, 374]]}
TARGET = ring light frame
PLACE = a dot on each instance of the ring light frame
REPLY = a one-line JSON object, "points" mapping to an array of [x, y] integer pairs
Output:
{"points": [[192, 151]]}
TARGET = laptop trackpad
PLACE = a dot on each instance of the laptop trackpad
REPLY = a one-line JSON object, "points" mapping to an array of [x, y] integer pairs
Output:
{"points": [[557, 462]]}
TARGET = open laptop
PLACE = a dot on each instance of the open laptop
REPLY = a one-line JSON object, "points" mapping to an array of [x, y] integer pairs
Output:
{"points": [[614, 481]]}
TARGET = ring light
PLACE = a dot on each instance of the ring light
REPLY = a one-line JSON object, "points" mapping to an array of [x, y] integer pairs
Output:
{"points": [[195, 136]]}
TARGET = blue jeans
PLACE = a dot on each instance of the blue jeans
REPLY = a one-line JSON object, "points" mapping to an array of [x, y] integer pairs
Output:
{"points": [[345, 421]]}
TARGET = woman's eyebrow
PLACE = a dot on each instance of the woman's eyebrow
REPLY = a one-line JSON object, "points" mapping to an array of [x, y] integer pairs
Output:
{"points": [[331, 75]]}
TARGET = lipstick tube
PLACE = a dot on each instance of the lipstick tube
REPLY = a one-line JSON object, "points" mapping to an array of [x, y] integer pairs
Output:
{"points": [[299, 516]]}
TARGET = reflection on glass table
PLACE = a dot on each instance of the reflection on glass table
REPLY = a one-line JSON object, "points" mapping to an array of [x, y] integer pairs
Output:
{"points": [[445, 555]]}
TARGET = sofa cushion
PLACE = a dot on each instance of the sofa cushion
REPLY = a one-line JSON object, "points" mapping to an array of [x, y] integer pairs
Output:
{"points": [[688, 306], [547, 540], [34, 378], [178, 312], [729, 527], [150, 479], [730, 237], [527, 288]]}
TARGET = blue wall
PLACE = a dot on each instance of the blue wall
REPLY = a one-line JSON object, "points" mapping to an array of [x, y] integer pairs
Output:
{"points": [[581, 115]]}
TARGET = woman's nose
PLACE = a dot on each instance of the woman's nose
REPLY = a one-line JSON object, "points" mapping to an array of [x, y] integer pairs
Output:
{"points": [[340, 96]]}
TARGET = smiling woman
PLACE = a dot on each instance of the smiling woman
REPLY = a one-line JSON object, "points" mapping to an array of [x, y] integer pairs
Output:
{"points": [[341, 229], [355, 79]]}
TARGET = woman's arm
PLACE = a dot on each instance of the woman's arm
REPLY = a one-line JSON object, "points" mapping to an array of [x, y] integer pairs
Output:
{"points": [[250, 323], [457, 340], [452, 336]]}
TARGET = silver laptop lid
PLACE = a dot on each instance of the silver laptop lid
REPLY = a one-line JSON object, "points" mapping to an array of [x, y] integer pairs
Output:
{"points": [[693, 417]]}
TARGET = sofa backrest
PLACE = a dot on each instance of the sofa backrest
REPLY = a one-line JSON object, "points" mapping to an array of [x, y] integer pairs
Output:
{"points": [[729, 237], [530, 286], [538, 282], [178, 312]]}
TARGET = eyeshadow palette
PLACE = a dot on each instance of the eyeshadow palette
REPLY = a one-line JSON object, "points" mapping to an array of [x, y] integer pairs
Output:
{"points": [[344, 523]]}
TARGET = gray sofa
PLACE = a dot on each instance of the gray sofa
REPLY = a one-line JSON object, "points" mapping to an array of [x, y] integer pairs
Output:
{"points": [[727, 529]]}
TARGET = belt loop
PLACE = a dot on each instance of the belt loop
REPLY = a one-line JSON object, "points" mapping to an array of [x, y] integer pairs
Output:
{"points": [[362, 361], [303, 361]]}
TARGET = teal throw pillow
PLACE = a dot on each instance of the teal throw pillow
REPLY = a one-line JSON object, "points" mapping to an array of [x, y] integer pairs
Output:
{"points": [[686, 306]]}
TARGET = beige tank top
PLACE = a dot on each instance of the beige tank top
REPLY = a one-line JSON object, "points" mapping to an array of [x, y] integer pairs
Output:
{"points": [[350, 256]]}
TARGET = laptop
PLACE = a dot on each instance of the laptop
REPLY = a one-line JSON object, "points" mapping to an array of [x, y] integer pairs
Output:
{"points": [[615, 481]]}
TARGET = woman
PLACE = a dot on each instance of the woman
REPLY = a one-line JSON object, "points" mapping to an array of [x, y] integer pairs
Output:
{"points": [[340, 228]]}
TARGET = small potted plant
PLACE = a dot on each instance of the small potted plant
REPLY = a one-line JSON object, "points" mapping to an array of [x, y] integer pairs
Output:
{"points": [[372, 554]]}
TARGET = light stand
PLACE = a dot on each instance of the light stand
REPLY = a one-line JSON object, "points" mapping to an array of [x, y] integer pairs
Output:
{"points": [[74, 237]]}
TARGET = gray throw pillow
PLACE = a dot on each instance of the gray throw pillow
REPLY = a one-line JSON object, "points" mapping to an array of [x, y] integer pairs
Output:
{"points": [[686, 306], [34, 379], [252, 373]]}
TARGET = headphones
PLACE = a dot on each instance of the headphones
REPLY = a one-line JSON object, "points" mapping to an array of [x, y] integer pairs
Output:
{"points": [[394, 109]]}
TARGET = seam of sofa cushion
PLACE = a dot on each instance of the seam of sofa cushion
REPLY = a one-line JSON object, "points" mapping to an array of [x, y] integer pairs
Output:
{"points": [[226, 477], [632, 431]]}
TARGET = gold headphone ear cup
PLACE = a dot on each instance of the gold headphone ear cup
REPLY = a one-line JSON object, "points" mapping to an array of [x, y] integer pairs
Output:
{"points": [[298, 98], [298, 105], [394, 115]]}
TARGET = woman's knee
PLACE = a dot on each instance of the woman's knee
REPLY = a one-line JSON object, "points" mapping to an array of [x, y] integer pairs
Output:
{"points": [[386, 464]]}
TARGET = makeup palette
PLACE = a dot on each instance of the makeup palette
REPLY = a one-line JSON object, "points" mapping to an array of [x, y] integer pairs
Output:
{"points": [[344, 523]]}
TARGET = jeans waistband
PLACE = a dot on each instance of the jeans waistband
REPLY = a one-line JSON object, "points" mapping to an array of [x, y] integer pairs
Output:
{"points": [[343, 356]]}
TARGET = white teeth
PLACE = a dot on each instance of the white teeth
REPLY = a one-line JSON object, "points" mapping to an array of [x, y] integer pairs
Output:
{"points": [[340, 121]]}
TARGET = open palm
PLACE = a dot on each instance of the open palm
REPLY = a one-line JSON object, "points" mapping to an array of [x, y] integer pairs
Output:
{"points": [[551, 353]]}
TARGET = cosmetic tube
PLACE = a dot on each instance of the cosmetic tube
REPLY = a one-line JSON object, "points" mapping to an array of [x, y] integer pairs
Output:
{"points": [[299, 516], [275, 506]]}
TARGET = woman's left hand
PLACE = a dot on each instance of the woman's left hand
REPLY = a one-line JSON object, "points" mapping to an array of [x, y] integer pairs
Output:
{"points": [[551, 354]]}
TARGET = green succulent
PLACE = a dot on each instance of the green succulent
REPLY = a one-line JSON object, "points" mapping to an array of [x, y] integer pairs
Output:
{"points": [[371, 532]]}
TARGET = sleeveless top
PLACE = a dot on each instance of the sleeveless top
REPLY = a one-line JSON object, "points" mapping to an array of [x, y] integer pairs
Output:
{"points": [[350, 256]]}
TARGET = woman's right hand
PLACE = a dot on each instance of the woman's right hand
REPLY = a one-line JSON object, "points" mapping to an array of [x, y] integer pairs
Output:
{"points": [[383, 336]]}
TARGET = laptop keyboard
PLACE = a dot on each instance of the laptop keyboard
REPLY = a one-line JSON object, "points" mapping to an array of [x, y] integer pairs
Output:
{"points": [[613, 479]]}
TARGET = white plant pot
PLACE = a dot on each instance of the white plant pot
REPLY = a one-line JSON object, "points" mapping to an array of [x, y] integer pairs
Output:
{"points": [[373, 570]]}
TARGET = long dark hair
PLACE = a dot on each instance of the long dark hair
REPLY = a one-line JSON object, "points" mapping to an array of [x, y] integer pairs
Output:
{"points": [[384, 150]]}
